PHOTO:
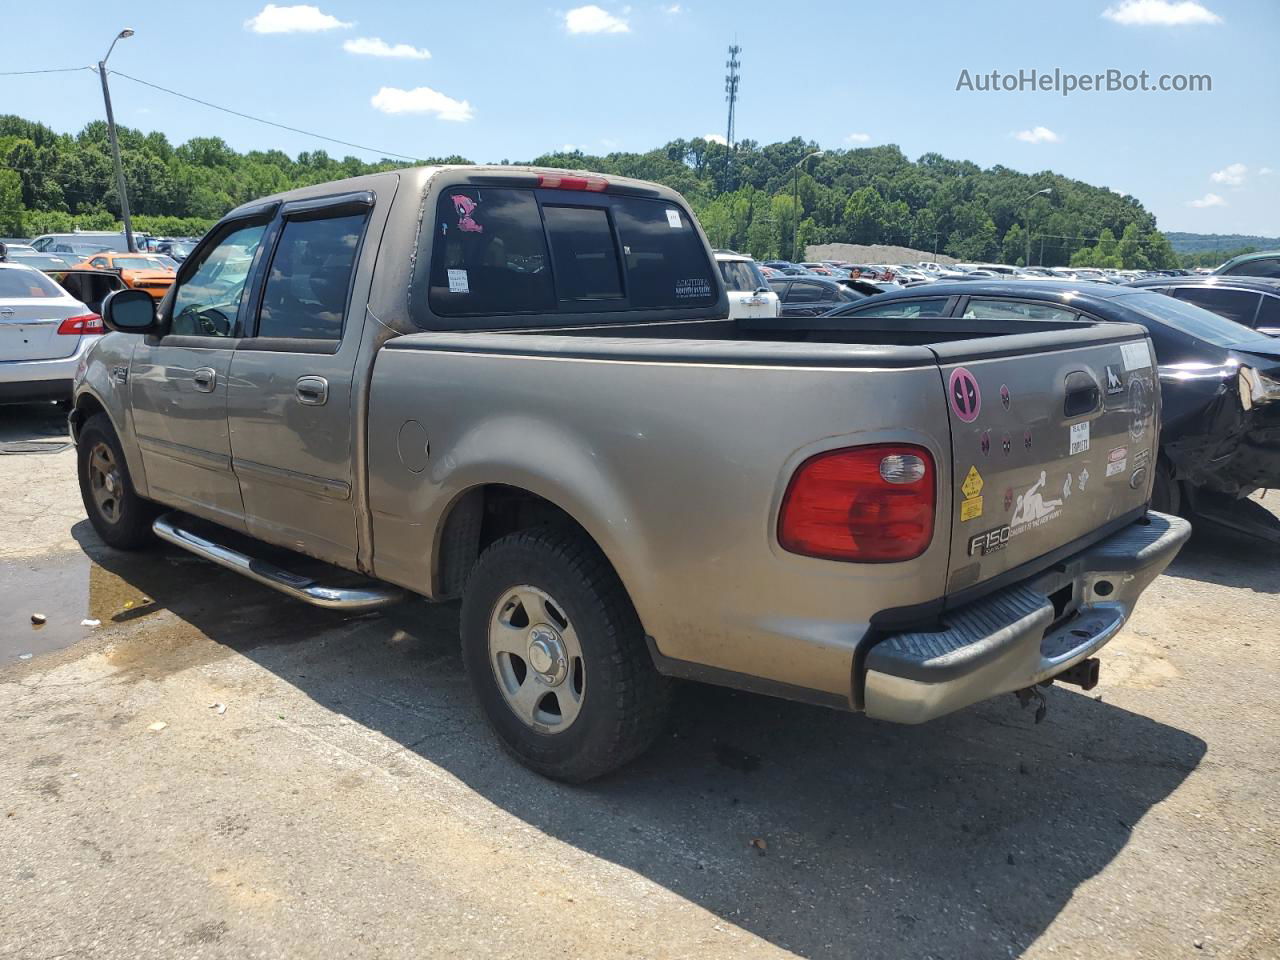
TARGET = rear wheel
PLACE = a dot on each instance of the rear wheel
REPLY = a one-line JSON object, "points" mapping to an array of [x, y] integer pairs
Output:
{"points": [[121, 517], [556, 656]]}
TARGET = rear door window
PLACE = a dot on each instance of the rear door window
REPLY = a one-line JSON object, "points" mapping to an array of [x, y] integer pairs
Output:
{"points": [[305, 297], [1237, 305], [802, 292], [1013, 310], [932, 307]]}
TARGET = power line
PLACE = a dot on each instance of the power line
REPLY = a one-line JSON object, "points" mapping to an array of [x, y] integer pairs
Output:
{"points": [[270, 123], [25, 73]]}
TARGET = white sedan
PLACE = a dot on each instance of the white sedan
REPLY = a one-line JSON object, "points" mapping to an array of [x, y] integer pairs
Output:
{"points": [[44, 331]]}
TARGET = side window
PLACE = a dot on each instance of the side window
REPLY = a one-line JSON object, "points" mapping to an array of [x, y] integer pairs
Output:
{"points": [[781, 288], [932, 307], [1269, 315], [665, 258], [207, 302], [99, 261], [1237, 305], [305, 297], [1012, 310], [489, 254], [802, 292], [584, 255], [1269, 267]]}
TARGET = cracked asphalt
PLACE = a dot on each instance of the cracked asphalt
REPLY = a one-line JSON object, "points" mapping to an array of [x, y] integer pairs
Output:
{"points": [[214, 771]]}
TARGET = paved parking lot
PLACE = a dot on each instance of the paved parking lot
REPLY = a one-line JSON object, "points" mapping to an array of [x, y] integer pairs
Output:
{"points": [[214, 771]]}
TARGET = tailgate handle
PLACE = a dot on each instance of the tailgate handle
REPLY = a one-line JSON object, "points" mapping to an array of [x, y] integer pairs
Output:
{"points": [[1083, 394]]}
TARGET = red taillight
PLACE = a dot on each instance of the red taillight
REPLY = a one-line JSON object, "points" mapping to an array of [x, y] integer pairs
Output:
{"points": [[86, 323], [872, 504], [555, 181]]}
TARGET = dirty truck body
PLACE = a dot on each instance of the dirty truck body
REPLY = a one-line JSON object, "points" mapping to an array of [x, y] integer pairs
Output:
{"points": [[524, 392]]}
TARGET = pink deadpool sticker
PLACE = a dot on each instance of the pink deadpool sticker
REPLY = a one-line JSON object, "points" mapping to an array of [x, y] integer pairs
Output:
{"points": [[966, 398]]}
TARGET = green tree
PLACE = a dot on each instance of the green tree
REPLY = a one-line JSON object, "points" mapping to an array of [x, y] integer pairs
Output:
{"points": [[11, 208]]}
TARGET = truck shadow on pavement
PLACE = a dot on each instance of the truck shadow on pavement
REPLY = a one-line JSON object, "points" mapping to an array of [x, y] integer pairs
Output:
{"points": [[818, 831]]}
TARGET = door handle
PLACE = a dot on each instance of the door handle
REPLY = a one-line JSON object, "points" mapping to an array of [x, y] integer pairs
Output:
{"points": [[1083, 394], [313, 391], [205, 379]]}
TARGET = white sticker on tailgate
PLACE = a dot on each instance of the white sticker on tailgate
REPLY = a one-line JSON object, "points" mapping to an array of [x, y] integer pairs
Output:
{"points": [[458, 282], [1079, 438], [1136, 356]]}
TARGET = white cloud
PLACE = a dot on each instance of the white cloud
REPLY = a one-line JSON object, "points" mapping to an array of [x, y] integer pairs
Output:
{"points": [[377, 47], [421, 100], [1037, 135], [1265, 172], [672, 9], [302, 18], [1160, 13], [609, 143], [858, 137], [1232, 174], [715, 138], [592, 19], [1208, 200], [569, 147]]}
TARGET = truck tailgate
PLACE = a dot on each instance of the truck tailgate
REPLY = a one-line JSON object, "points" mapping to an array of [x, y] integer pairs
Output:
{"points": [[1048, 446]]}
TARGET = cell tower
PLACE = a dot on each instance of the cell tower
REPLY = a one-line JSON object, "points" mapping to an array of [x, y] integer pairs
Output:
{"points": [[731, 87]]}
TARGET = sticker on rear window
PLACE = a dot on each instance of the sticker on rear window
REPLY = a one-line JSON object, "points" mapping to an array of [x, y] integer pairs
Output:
{"points": [[458, 282], [1136, 356], [673, 219], [693, 289], [1079, 438]]}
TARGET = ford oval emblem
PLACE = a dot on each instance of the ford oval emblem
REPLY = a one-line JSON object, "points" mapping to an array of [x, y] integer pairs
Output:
{"points": [[1137, 478]]}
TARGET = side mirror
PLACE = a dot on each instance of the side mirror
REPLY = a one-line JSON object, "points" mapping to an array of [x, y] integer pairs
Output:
{"points": [[130, 311]]}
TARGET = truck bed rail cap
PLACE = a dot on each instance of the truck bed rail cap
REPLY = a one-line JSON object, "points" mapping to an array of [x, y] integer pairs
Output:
{"points": [[664, 350]]}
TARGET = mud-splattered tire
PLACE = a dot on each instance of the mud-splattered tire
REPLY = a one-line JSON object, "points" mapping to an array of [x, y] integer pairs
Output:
{"points": [[557, 658], [121, 517]]}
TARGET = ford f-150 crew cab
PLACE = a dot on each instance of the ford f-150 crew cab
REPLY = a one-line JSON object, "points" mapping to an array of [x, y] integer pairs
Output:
{"points": [[522, 388]]}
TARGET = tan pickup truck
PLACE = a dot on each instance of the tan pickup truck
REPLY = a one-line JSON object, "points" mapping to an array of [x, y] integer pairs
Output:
{"points": [[521, 387]]}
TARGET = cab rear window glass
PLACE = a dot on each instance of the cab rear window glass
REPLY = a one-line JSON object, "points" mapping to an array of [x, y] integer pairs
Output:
{"points": [[586, 258], [490, 254], [499, 251], [665, 259]]}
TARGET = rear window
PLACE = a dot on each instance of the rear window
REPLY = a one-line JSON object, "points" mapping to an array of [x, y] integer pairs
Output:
{"points": [[1189, 319], [742, 276], [27, 285], [519, 251], [933, 307], [1014, 310]]}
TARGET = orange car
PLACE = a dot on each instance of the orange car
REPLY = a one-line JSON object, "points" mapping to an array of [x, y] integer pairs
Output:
{"points": [[143, 271]]}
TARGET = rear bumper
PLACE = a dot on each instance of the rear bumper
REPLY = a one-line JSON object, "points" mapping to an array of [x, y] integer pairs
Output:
{"points": [[42, 379], [1017, 637]]}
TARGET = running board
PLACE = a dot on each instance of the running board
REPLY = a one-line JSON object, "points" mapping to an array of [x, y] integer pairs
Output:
{"points": [[302, 588]]}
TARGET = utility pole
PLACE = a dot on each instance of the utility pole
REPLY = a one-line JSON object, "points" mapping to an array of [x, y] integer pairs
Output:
{"points": [[795, 201], [731, 88], [1026, 261], [115, 144]]}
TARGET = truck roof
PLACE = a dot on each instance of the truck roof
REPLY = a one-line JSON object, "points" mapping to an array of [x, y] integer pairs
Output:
{"points": [[481, 171]]}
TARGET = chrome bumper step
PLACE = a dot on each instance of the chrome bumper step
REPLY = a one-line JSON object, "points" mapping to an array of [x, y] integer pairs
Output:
{"points": [[372, 596]]}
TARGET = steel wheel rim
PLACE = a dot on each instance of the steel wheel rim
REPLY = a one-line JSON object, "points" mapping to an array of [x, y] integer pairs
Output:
{"points": [[105, 482], [536, 659]]}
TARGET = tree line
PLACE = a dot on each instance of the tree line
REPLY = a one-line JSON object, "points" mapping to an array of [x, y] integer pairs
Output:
{"points": [[768, 200]]}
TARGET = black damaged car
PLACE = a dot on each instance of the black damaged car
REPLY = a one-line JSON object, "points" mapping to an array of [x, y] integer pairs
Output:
{"points": [[1220, 381]]}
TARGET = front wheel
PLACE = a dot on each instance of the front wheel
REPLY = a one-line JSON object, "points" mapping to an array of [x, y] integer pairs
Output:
{"points": [[556, 656], [121, 517]]}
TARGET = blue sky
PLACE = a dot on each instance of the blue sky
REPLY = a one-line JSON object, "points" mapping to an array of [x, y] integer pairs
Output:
{"points": [[514, 79]]}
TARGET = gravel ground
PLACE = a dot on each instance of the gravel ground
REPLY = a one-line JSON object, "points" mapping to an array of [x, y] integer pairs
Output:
{"points": [[324, 786]]}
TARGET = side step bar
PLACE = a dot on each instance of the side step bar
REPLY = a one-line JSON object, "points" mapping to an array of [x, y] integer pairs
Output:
{"points": [[373, 597]]}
